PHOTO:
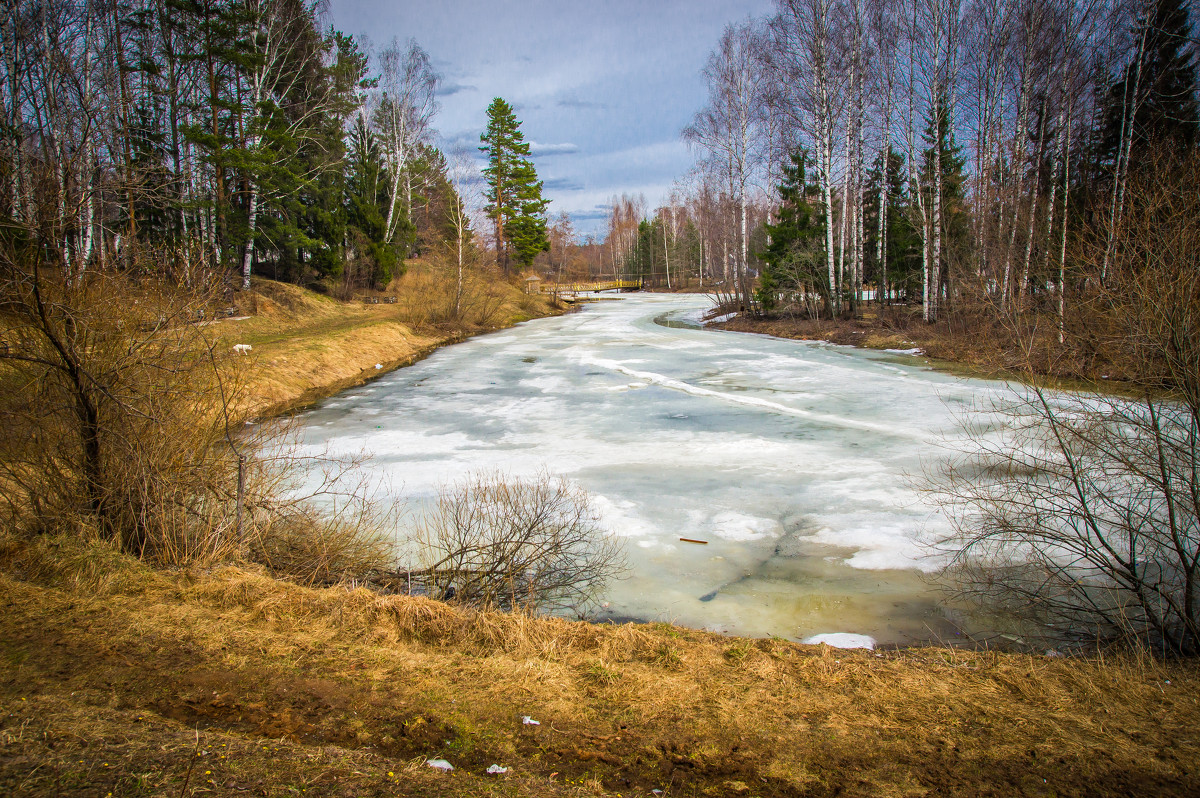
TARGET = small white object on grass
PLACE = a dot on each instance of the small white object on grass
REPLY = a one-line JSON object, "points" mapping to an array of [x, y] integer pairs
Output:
{"points": [[496, 769], [242, 349], [528, 721], [842, 640], [440, 764], [378, 365]]}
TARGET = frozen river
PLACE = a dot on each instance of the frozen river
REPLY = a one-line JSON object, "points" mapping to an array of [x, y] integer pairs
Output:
{"points": [[788, 457]]}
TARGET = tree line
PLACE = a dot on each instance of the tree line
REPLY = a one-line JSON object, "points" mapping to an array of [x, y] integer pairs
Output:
{"points": [[936, 151], [188, 137]]}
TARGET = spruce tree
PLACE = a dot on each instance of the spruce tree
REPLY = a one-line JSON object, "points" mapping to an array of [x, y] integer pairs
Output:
{"points": [[527, 231], [514, 193], [1159, 88], [374, 260], [795, 258], [902, 244]]}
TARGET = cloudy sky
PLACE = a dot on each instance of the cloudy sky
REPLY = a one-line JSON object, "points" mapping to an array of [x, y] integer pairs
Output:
{"points": [[602, 88]]}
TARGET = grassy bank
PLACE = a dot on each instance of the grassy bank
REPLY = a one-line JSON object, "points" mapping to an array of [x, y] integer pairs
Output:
{"points": [[123, 680], [306, 346], [119, 679], [985, 348]]}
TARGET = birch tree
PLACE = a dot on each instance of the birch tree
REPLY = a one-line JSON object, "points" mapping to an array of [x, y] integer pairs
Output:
{"points": [[403, 121], [805, 61], [730, 129], [465, 201]]}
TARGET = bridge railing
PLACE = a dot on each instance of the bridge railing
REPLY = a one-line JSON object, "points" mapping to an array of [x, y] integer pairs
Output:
{"points": [[580, 288]]}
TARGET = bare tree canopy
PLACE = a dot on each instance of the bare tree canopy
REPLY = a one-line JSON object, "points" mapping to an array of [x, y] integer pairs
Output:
{"points": [[535, 544], [1080, 514]]}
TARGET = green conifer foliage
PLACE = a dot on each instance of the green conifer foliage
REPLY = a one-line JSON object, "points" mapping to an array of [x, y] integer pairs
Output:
{"points": [[1164, 107], [902, 244], [944, 150], [372, 259], [514, 193], [794, 261]]}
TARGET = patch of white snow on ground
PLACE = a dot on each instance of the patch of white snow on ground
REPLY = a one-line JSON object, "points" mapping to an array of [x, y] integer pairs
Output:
{"points": [[916, 350], [842, 640]]}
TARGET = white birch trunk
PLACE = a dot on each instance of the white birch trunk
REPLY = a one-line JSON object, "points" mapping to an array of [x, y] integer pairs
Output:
{"points": [[1033, 203], [1018, 163], [666, 256], [1062, 253], [1124, 148], [248, 255]]}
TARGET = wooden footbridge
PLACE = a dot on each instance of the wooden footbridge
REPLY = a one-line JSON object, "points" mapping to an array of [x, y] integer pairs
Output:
{"points": [[575, 289]]}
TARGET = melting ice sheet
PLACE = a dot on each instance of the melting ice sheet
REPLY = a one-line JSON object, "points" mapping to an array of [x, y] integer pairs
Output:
{"points": [[788, 457]]}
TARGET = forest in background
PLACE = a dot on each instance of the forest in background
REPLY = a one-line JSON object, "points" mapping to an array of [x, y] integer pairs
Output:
{"points": [[965, 156], [186, 138]]}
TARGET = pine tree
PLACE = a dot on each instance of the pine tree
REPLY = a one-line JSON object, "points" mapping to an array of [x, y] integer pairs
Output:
{"points": [[794, 261], [514, 192]]}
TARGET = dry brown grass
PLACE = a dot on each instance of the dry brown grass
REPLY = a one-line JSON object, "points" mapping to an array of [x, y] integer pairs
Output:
{"points": [[624, 709], [974, 344], [307, 346]]}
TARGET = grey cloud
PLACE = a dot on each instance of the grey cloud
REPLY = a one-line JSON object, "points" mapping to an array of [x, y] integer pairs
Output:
{"points": [[581, 104], [562, 184], [447, 89], [589, 216], [565, 148], [467, 140]]}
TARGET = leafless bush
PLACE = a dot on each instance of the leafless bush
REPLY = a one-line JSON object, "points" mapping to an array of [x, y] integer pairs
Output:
{"points": [[430, 295], [535, 544], [111, 414], [114, 423], [1081, 514]]}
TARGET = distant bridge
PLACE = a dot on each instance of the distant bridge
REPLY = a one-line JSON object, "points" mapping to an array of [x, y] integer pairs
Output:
{"points": [[585, 288]]}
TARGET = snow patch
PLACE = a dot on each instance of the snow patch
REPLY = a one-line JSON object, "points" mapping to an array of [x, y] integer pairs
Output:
{"points": [[739, 528], [842, 640]]}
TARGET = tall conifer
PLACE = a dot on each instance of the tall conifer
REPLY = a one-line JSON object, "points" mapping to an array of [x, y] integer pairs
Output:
{"points": [[1154, 101], [514, 193], [795, 257]]}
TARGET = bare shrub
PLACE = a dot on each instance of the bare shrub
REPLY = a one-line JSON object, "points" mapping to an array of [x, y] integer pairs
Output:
{"points": [[430, 295], [1081, 514], [493, 541], [112, 414], [114, 424], [1079, 517], [314, 519]]}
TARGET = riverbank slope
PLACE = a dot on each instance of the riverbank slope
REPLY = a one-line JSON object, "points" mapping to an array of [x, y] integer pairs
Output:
{"points": [[305, 346], [126, 681], [986, 348], [122, 680]]}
